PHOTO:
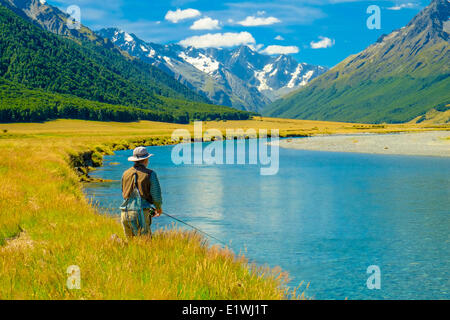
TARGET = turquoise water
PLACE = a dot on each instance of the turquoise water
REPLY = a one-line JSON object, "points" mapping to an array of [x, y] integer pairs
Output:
{"points": [[324, 218]]}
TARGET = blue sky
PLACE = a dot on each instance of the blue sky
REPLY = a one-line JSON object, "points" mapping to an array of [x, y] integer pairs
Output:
{"points": [[318, 32]]}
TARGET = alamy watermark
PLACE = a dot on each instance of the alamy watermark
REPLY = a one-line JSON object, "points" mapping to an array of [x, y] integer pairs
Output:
{"points": [[259, 146], [374, 280], [74, 19], [74, 278], [374, 20]]}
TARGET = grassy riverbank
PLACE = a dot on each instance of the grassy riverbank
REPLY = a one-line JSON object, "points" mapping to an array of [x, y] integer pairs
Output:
{"points": [[46, 224]]}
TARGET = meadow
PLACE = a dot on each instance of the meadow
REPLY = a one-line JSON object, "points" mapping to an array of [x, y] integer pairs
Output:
{"points": [[47, 225]]}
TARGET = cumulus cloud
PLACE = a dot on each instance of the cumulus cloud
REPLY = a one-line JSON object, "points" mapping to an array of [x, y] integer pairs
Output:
{"points": [[279, 38], [252, 21], [179, 15], [218, 40], [205, 24], [274, 49], [408, 5], [324, 42], [255, 47]]}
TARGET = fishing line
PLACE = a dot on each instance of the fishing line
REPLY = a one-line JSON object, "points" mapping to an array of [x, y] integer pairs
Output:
{"points": [[195, 228]]}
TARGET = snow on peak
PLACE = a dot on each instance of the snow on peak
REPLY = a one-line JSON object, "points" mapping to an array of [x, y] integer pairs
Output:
{"points": [[262, 77], [117, 33], [267, 68], [306, 77], [295, 75], [168, 61], [128, 37], [202, 62], [152, 53]]}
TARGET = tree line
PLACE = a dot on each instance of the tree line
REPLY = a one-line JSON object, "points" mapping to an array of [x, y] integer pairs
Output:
{"points": [[20, 104]]}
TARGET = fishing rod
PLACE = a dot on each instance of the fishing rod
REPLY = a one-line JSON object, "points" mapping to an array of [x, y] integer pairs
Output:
{"points": [[179, 220], [195, 228]]}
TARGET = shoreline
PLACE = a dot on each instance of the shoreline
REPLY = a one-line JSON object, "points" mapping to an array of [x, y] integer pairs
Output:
{"points": [[429, 143], [87, 161], [47, 222]]}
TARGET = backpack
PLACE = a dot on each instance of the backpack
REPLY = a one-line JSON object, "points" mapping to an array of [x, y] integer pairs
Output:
{"points": [[134, 203]]}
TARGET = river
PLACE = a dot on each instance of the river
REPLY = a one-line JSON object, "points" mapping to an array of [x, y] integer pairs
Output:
{"points": [[325, 217]]}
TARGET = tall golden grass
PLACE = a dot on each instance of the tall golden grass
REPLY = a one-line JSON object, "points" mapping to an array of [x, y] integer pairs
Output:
{"points": [[46, 224]]}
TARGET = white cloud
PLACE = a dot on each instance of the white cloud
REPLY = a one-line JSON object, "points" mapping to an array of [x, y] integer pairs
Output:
{"points": [[218, 40], [255, 47], [205, 24], [279, 38], [323, 43], [290, 12], [253, 21], [274, 49], [178, 15], [408, 5]]}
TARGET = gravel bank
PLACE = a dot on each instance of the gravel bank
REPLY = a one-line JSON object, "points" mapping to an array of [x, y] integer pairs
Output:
{"points": [[433, 143]]}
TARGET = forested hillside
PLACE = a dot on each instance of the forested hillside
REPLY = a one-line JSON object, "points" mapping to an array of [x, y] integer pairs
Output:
{"points": [[41, 70], [20, 104], [400, 77]]}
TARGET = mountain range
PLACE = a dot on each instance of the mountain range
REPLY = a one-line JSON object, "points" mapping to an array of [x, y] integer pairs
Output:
{"points": [[241, 77], [44, 59], [400, 77]]}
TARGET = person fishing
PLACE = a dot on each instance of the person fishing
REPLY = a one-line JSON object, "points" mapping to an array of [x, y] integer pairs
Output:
{"points": [[141, 192]]}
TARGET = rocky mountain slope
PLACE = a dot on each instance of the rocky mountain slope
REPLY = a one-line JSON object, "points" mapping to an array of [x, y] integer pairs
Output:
{"points": [[44, 76], [239, 77], [51, 19], [401, 76]]}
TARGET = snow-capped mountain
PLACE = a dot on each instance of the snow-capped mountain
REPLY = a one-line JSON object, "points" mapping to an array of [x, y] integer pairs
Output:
{"points": [[240, 77]]}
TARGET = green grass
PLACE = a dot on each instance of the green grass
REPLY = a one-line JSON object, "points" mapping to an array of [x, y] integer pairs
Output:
{"points": [[46, 225]]}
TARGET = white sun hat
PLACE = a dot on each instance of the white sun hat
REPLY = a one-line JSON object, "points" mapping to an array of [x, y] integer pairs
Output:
{"points": [[140, 153]]}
